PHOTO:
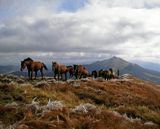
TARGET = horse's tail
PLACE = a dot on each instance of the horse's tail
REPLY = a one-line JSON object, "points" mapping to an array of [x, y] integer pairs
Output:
{"points": [[45, 66]]}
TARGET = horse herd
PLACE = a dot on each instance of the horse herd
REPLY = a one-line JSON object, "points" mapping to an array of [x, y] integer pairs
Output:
{"points": [[60, 70]]}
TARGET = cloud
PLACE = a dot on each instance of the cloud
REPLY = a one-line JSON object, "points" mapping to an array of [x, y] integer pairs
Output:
{"points": [[97, 30], [127, 3]]}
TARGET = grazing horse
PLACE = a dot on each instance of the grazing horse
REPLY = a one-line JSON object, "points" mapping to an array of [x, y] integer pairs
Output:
{"points": [[94, 74], [59, 69], [70, 69], [80, 71], [106, 74], [32, 66], [101, 73]]}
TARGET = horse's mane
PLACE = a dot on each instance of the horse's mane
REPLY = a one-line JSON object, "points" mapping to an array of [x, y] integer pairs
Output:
{"points": [[54, 63], [69, 66], [28, 59]]}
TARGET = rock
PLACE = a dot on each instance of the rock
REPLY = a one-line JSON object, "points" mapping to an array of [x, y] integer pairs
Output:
{"points": [[54, 105], [84, 108], [1, 125], [13, 104], [22, 126], [76, 84], [86, 79], [150, 123], [70, 81]]}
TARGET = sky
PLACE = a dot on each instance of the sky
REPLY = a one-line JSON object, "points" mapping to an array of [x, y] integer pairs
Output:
{"points": [[79, 31]]}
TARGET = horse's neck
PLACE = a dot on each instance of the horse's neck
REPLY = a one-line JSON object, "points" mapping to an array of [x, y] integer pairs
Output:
{"points": [[28, 64]]}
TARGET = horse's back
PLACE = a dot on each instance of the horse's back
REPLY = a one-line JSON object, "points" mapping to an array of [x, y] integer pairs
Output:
{"points": [[62, 68], [36, 65]]}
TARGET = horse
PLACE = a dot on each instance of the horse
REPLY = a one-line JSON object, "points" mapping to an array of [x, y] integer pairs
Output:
{"points": [[59, 69], [94, 74], [80, 71], [32, 66], [106, 74], [70, 69], [101, 73]]}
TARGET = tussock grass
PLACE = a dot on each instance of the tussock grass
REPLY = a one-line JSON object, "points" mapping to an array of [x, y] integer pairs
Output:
{"points": [[117, 104]]}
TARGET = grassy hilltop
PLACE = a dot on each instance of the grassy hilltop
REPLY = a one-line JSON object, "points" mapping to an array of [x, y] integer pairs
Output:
{"points": [[126, 103]]}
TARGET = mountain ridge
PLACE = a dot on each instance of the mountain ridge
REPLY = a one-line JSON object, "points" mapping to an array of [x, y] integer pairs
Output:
{"points": [[116, 63], [126, 67]]}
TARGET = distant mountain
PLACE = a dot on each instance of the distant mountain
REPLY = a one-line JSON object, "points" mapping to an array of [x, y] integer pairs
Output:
{"points": [[126, 68], [149, 65], [8, 69], [116, 63]]}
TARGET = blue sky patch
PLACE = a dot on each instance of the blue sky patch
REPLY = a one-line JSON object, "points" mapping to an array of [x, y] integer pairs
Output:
{"points": [[72, 5]]}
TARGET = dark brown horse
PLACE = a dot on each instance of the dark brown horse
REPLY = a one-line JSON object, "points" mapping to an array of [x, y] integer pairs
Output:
{"points": [[80, 71], [59, 69], [94, 74], [70, 69], [32, 66], [101, 73]]}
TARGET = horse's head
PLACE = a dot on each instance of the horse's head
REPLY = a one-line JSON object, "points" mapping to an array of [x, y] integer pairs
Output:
{"points": [[111, 70], [54, 65], [23, 65], [25, 62]]}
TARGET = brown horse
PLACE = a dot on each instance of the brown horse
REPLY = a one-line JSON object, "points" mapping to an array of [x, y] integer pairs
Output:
{"points": [[80, 71], [59, 69], [106, 74], [32, 66]]}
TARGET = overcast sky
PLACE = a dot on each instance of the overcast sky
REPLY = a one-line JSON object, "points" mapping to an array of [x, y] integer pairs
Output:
{"points": [[79, 31]]}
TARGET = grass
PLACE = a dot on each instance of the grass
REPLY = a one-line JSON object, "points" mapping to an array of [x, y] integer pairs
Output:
{"points": [[132, 99]]}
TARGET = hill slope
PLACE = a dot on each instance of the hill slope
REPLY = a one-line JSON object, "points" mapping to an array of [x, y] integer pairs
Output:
{"points": [[125, 68], [8, 69], [127, 103]]}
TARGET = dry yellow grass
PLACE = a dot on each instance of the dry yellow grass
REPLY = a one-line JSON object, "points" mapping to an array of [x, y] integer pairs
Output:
{"points": [[120, 104]]}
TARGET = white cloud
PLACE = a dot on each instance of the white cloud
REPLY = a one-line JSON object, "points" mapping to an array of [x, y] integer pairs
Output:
{"points": [[126, 3], [128, 29]]}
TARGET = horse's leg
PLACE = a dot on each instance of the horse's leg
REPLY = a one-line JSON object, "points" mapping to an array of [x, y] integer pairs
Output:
{"points": [[58, 76], [35, 74], [71, 74], [61, 76], [75, 75], [108, 77], [41, 73], [29, 74], [54, 75], [80, 76], [65, 75]]}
